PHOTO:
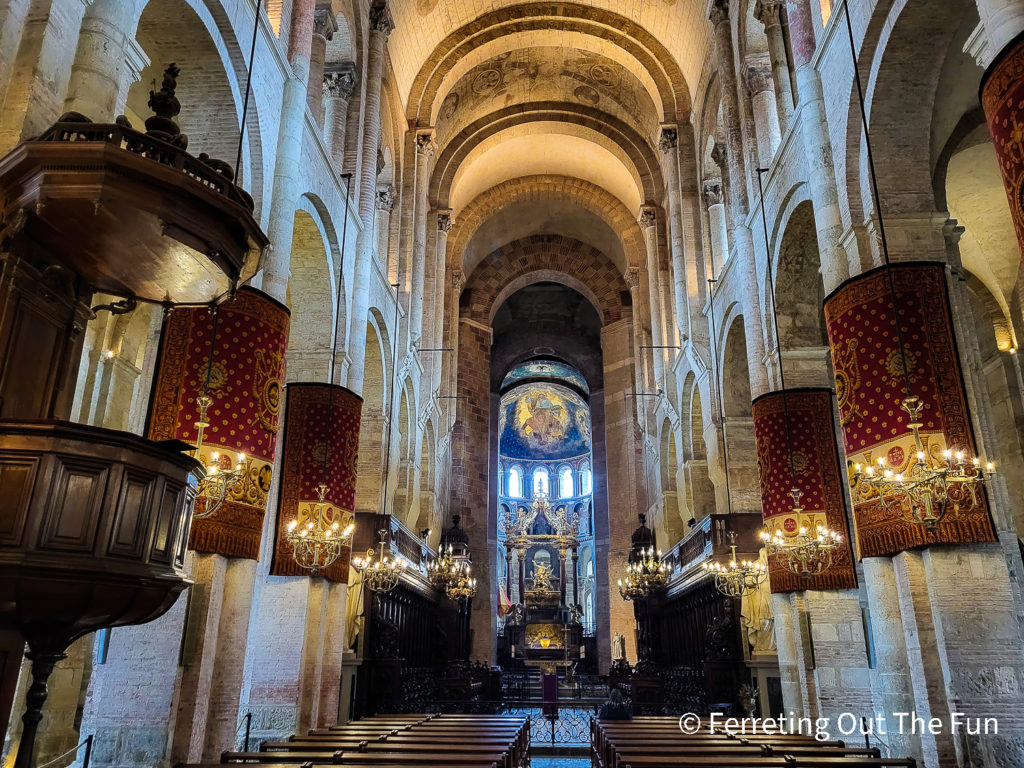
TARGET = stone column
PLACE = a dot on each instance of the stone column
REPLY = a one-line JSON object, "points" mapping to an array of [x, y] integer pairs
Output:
{"points": [[561, 576], [382, 223], [97, 81], [766, 123], [668, 143], [521, 553], [339, 82], [425, 148], [576, 576], [288, 163], [1001, 22], [835, 263], [379, 29], [740, 202], [445, 221], [40, 70], [714, 199], [769, 13], [324, 27], [641, 337], [649, 224]]}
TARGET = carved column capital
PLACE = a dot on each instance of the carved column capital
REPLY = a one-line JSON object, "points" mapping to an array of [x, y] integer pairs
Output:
{"points": [[324, 23], [381, 20], [385, 198], [445, 220], [458, 280], [768, 12], [713, 192], [425, 144], [718, 154], [718, 12], [632, 278], [648, 216], [759, 77], [669, 139], [340, 81]]}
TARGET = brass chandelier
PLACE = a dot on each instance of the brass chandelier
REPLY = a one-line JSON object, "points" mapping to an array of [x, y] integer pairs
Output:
{"points": [[738, 578], [647, 574], [318, 543], [806, 553], [218, 481], [463, 587], [930, 488], [380, 571]]}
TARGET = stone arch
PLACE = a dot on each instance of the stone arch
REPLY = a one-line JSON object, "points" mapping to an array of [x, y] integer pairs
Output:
{"points": [[643, 161], [402, 462], [735, 384], [200, 37], [799, 291], [464, 242], [428, 507], [321, 215], [627, 34], [371, 433], [697, 494], [311, 284], [544, 257]]}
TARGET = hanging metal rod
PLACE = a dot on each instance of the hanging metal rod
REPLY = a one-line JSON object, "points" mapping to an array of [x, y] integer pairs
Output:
{"points": [[436, 349], [660, 346], [659, 393]]}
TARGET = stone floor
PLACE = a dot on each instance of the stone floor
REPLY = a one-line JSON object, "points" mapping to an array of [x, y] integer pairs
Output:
{"points": [[559, 762]]}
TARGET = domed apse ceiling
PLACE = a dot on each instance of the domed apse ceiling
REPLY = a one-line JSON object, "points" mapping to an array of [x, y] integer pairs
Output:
{"points": [[543, 421]]}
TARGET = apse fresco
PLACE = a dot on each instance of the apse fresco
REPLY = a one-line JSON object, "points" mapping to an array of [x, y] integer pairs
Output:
{"points": [[546, 369], [544, 421]]}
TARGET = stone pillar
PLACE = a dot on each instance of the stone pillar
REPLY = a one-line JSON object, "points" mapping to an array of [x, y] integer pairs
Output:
{"points": [[743, 241], [382, 223], [97, 83], [714, 199], [522, 575], [339, 82], [561, 576], [1001, 22], [649, 224], [641, 382], [576, 577], [769, 13], [425, 148], [288, 163], [40, 70], [380, 27], [445, 221], [766, 123], [668, 143], [324, 27]]}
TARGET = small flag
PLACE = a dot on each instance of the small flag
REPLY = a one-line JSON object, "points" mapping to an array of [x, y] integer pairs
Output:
{"points": [[504, 604]]}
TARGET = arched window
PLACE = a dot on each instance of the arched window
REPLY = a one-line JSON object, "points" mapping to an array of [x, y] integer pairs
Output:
{"points": [[565, 484], [541, 482], [515, 483], [586, 480]]}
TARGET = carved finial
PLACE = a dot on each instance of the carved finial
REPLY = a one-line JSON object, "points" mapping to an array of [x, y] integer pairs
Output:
{"points": [[166, 106], [669, 139]]}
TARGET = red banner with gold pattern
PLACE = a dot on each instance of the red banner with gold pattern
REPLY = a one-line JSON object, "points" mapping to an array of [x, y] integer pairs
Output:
{"points": [[819, 476], [1002, 98], [245, 386], [870, 388], [321, 425]]}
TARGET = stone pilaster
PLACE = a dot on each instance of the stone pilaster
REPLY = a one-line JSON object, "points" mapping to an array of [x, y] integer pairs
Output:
{"points": [[714, 200], [287, 166], [669, 145], [324, 27], [769, 13], [649, 225], [766, 123], [382, 223], [425, 148], [339, 82], [445, 221], [1001, 22], [380, 27]]}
